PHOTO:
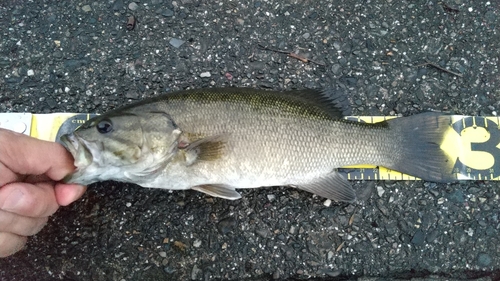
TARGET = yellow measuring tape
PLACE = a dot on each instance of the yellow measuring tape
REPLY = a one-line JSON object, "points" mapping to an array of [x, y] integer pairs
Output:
{"points": [[472, 140]]}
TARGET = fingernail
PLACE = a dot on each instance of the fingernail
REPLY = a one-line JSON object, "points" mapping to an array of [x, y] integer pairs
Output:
{"points": [[12, 200]]}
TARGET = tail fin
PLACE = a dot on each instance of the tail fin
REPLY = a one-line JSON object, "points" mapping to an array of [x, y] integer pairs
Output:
{"points": [[420, 154]]}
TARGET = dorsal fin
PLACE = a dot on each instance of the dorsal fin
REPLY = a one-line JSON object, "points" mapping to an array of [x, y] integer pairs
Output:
{"points": [[332, 101]]}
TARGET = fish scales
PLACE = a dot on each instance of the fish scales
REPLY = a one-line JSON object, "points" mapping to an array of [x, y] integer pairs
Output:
{"points": [[217, 140], [281, 142]]}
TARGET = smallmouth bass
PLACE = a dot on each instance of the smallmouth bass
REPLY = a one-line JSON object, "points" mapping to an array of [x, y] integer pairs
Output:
{"points": [[218, 140]]}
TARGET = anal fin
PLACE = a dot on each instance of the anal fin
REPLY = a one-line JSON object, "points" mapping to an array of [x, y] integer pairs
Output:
{"points": [[218, 190], [333, 186]]}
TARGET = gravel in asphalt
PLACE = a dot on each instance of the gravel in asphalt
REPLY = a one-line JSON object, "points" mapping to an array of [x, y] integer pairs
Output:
{"points": [[392, 57]]}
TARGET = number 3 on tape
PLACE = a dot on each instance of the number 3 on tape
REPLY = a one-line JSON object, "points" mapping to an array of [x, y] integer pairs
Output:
{"points": [[478, 149]]}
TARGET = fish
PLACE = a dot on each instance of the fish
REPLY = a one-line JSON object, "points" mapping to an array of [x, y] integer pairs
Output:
{"points": [[218, 140]]}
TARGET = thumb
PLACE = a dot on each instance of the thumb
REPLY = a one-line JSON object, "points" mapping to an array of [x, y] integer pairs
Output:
{"points": [[68, 193], [29, 156]]}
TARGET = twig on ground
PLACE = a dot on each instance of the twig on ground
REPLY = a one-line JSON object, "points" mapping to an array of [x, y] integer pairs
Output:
{"points": [[427, 62], [448, 8], [292, 55]]}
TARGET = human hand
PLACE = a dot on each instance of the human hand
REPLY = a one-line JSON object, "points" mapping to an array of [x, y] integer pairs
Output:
{"points": [[29, 190]]}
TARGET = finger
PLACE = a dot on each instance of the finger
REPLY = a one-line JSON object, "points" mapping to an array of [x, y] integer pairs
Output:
{"points": [[68, 193], [26, 155], [7, 175], [29, 178], [20, 225], [10, 243], [30, 200]]}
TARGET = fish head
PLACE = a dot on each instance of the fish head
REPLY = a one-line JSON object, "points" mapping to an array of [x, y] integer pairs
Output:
{"points": [[123, 147]]}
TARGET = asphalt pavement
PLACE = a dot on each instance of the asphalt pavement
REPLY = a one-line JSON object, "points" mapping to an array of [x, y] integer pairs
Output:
{"points": [[392, 58]]}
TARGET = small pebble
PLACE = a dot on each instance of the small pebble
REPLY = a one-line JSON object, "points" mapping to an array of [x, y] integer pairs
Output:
{"points": [[483, 260], [167, 13], [330, 255], [327, 203], [457, 196], [133, 6], [262, 233], [380, 191], [169, 269], [418, 238], [128, 204], [195, 272], [132, 95], [226, 225], [270, 197], [470, 232], [197, 243], [163, 254], [176, 43], [86, 8], [205, 74]]}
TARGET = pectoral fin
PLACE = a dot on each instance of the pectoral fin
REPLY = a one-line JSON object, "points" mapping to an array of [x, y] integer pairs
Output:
{"points": [[205, 149], [332, 186], [222, 191]]}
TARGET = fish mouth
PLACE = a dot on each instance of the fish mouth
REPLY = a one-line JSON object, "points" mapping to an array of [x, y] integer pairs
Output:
{"points": [[78, 149]]}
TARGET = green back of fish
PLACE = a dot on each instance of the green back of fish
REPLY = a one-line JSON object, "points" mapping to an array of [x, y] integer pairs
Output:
{"points": [[312, 104]]}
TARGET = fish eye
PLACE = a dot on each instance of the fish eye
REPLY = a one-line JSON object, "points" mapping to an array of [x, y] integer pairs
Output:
{"points": [[104, 126]]}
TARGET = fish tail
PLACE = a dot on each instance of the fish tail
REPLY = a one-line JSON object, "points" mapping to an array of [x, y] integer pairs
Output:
{"points": [[419, 152]]}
